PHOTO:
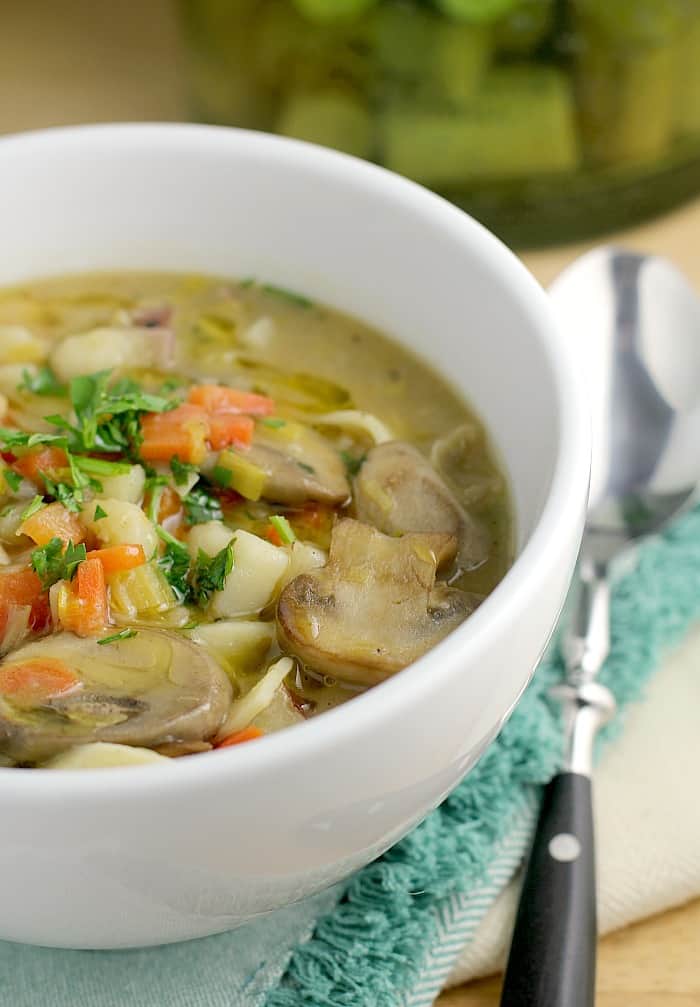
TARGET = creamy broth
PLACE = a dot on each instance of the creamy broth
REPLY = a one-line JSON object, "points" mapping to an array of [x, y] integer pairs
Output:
{"points": [[295, 430]]}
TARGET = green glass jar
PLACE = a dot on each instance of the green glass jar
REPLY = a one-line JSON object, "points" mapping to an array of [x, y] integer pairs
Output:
{"points": [[548, 120]]}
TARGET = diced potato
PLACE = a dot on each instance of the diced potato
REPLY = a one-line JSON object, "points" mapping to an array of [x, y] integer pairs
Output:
{"points": [[103, 755], [279, 714], [142, 590], [10, 520], [11, 376], [303, 557], [210, 536], [125, 524], [244, 710], [19, 346], [105, 349], [128, 487], [239, 646], [4, 404], [257, 571]]}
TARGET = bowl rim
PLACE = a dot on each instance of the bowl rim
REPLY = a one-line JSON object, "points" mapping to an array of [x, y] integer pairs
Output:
{"points": [[563, 506]]}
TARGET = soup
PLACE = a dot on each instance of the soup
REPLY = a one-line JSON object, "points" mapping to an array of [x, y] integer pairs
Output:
{"points": [[224, 509]]}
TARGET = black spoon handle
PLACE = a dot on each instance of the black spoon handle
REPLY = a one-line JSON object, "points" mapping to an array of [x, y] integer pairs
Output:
{"points": [[553, 953]]}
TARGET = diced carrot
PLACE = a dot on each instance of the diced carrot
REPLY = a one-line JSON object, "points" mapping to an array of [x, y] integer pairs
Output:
{"points": [[36, 680], [272, 535], [183, 431], [247, 734], [47, 459], [53, 521], [23, 587], [84, 609], [229, 429], [219, 399], [118, 557]]}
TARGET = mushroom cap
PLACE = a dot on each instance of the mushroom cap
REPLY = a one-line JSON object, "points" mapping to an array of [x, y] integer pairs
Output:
{"points": [[299, 465], [151, 689], [398, 491], [374, 608]]}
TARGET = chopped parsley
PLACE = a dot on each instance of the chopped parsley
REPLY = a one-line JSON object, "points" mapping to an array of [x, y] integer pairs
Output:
{"points": [[100, 512], [181, 470], [201, 506], [52, 563], [44, 382], [209, 573], [352, 463], [194, 582], [154, 487], [273, 422], [100, 466], [12, 478], [20, 439], [123, 634], [175, 564], [287, 295], [222, 475], [36, 504], [307, 468], [283, 528]]}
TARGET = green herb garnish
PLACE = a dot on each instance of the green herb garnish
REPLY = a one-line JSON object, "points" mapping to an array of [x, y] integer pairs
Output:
{"points": [[181, 470], [222, 475], [12, 478], [100, 466], [352, 463], [175, 564], [283, 528], [36, 505], [210, 572], [20, 439], [123, 634], [51, 563], [99, 513], [44, 382], [307, 468], [287, 295], [273, 422], [201, 506]]}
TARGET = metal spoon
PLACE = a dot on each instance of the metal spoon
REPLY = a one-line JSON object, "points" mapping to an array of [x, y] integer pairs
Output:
{"points": [[635, 323]]}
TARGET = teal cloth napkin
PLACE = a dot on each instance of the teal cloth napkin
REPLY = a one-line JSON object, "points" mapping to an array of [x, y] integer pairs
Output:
{"points": [[388, 937]]}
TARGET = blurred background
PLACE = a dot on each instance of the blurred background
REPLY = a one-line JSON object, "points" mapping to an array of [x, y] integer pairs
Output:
{"points": [[549, 120]]}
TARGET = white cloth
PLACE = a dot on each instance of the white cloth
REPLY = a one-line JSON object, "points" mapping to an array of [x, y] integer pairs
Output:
{"points": [[647, 815]]}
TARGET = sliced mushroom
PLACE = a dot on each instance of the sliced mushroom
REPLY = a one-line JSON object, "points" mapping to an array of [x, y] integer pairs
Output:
{"points": [[374, 608], [152, 689], [398, 491], [299, 465]]}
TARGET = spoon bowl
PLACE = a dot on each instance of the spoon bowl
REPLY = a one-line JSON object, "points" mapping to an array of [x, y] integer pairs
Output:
{"points": [[634, 322]]}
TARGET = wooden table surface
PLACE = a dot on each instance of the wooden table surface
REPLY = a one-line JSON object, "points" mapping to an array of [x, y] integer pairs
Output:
{"points": [[98, 60]]}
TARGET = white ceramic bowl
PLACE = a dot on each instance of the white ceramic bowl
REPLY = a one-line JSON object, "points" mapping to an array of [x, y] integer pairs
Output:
{"points": [[148, 855]]}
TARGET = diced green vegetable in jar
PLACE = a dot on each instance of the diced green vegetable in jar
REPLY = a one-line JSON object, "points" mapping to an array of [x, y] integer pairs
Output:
{"points": [[686, 96], [330, 118], [521, 123], [524, 27], [628, 25], [624, 99], [476, 11], [461, 56], [332, 10]]}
